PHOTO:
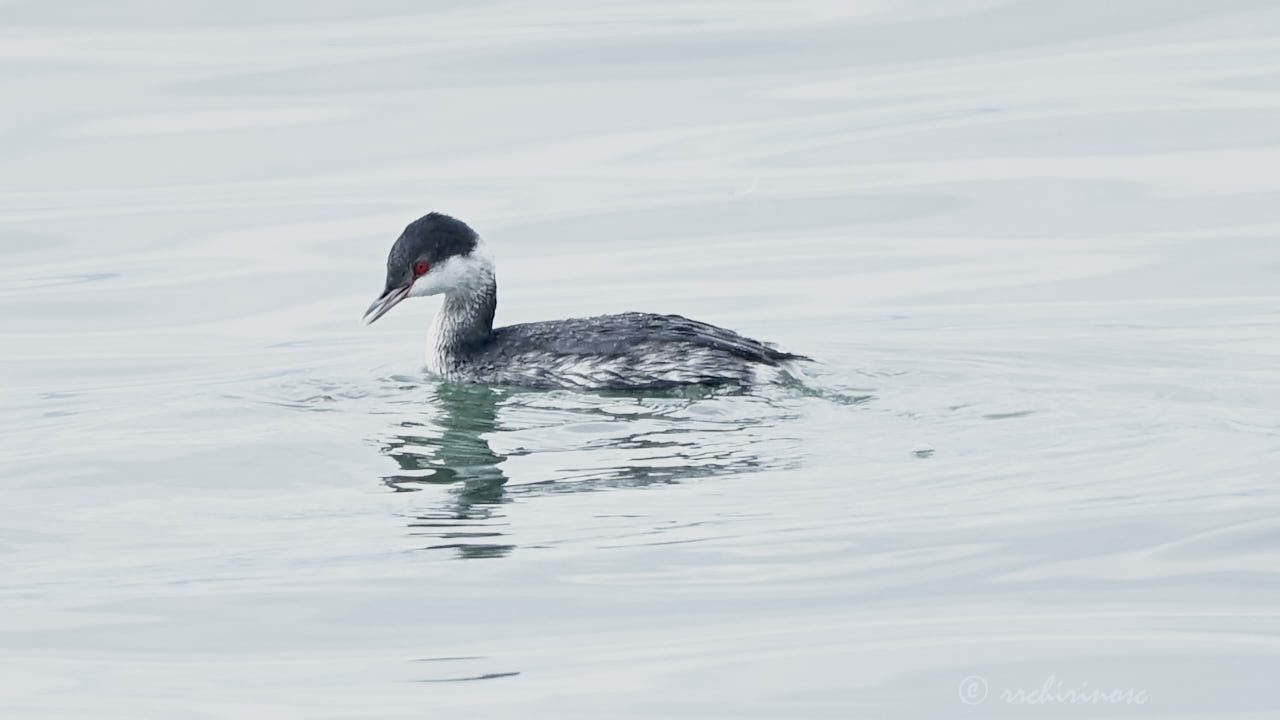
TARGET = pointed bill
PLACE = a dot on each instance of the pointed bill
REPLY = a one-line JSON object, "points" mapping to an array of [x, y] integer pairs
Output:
{"points": [[385, 302]]}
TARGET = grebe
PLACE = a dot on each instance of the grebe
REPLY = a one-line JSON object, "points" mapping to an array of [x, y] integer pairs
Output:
{"points": [[440, 255]]}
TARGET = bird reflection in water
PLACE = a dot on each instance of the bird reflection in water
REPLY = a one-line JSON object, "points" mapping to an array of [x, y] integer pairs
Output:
{"points": [[451, 449], [450, 446]]}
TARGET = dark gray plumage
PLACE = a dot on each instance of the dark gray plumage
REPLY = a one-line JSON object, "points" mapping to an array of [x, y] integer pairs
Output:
{"points": [[440, 255], [630, 350]]}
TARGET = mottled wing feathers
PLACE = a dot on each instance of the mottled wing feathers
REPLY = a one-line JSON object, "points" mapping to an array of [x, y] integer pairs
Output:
{"points": [[631, 350], [681, 329]]}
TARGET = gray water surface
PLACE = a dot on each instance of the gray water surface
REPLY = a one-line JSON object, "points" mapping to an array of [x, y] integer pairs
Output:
{"points": [[1032, 244]]}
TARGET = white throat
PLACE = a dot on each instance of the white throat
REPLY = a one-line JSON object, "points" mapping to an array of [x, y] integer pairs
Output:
{"points": [[465, 318]]}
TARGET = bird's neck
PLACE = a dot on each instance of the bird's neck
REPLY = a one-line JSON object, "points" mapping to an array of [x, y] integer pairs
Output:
{"points": [[465, 320]]}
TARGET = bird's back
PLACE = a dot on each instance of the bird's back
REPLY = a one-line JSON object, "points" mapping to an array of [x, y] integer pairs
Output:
{"points": [[627, 351]]}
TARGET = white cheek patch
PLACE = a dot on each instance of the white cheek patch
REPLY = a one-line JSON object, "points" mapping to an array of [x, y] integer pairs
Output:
{"points": [[436, 281], [460, 272], [453, 274]]}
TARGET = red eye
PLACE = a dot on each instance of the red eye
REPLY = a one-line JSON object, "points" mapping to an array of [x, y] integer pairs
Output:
{"points": [[419, 268]]}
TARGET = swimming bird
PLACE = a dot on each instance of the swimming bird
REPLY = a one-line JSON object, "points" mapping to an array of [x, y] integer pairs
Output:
{"points": [[440, 255]]}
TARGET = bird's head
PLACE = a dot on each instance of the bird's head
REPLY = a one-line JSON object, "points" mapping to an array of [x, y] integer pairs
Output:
{"points": [[435, 254]]}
